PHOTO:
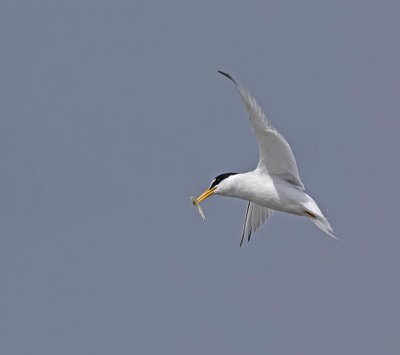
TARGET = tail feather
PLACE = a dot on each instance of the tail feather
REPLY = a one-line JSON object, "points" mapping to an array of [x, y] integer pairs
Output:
{"points": [[323, 224], [312, 210]]}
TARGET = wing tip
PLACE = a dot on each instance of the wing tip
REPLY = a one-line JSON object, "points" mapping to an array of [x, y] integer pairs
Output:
{"points": [[228, 76]]}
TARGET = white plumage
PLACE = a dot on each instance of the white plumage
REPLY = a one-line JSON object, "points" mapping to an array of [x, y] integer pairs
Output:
{"points": [[274, 185]]}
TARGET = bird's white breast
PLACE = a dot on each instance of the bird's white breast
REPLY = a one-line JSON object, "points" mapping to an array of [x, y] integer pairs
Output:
{"points": [[266, 191]]}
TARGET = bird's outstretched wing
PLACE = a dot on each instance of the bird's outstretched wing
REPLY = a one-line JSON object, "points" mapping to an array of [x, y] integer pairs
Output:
{"points": [[276, 156], [255, 217]]}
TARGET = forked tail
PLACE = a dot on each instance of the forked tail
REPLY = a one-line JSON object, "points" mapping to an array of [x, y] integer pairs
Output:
{"points": [[312, 210], [322, 223]]}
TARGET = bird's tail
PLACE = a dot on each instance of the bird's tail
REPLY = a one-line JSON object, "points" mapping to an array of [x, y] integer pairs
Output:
{"points": [[312, 210], [322, 223]]}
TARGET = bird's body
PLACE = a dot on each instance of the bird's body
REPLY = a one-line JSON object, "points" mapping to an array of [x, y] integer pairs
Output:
{"points": [[274, 185], [267, 191]]}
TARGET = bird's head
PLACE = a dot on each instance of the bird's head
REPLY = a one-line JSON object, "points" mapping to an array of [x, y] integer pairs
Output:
{"points": [[219, 185]]}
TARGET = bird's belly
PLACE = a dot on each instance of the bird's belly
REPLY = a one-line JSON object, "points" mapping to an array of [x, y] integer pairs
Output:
{"points": [[277, 203], [274, 196]]}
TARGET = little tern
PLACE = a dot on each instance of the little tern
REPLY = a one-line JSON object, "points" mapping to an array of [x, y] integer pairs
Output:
{"points": [[275, 183]]}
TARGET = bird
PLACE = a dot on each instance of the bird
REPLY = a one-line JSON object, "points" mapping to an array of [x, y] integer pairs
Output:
{"points": [[274, 184]]}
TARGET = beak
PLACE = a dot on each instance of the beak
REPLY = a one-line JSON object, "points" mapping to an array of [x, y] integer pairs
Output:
{"points": [[203, 196]]}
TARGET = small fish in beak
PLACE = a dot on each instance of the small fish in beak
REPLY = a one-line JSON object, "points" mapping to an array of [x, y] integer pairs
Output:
{"points": [[197, 204]]}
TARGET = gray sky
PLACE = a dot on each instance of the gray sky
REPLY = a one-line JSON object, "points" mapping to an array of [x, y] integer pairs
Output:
{"points": [[113, 115]]}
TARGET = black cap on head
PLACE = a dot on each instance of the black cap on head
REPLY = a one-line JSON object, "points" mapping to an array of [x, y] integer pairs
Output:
{"points": [[219, 178]]}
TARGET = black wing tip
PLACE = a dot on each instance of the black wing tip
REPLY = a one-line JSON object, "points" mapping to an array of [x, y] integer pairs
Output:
{"points": [[248, 238], [228, 76], [241, 240]]}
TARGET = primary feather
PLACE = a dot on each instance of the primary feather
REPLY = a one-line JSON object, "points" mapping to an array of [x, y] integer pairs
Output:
{"points": [[276, 156], [255, 217]]}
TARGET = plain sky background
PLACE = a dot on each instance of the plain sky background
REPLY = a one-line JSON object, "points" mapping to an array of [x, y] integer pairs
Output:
{"points": [[113, 115]]}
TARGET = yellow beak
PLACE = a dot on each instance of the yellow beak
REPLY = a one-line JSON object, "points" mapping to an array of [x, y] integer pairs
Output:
{"points": [[204, 195]]}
